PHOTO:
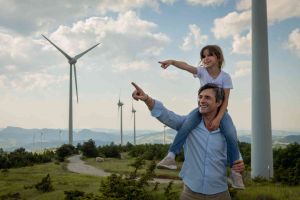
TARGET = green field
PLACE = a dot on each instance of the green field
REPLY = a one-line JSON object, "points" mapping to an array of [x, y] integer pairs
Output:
{"points": [[14, 180], [114, 165]]}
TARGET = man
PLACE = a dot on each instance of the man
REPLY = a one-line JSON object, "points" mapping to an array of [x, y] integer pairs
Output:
{"points": [[204, 169]]}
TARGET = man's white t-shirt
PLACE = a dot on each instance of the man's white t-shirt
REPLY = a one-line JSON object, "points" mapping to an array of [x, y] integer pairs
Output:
{"points": [[223, 80]]}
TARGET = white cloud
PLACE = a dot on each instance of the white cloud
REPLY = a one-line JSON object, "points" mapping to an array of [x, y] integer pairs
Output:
{"points": [[232, 24], [44, 15], [243, 68], [193, 38], [205, 2], [169, 74], [293, 43], [131, 66], [243, 5], [170, 2], [241, 44], [30, 81], [127, 43], [105, 6], [278, 10], [124, 39]]}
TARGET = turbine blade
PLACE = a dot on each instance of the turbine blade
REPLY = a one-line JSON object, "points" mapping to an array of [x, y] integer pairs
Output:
{"points": [[76, 82], [81, 54], [65, 54]]}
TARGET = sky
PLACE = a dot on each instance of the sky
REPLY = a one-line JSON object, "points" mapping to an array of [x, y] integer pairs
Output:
{"points": [[134, 36]]}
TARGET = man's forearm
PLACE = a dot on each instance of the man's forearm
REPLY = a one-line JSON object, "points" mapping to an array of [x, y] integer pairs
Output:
{"points": [[149, 102]]}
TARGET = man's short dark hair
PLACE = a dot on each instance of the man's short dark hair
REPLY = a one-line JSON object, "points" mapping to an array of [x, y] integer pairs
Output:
{"points": [[219, 92]]}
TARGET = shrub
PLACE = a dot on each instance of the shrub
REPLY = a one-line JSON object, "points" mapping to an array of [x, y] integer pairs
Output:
{"points": [[64, 151], [110, 151], [128, 187], [89, 149], [45, 185], [287, 164], [21, 158]]}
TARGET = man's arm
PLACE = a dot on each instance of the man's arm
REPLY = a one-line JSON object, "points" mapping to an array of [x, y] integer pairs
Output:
{"points": [[157, 109]]}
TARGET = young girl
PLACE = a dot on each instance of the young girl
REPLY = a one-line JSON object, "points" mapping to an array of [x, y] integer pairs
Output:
{"points": [[212, 60]]}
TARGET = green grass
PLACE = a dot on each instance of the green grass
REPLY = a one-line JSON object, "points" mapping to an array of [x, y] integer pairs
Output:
{"points": [[121, 166], [268, 191], [15, 179]]}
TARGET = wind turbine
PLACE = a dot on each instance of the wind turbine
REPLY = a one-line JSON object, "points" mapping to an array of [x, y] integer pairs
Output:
{"points": [[72, 61], [133, 113], [165, 134], [120, 104]]}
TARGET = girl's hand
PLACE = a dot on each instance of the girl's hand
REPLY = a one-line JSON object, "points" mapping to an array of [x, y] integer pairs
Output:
{"points": [[165, 64], [214, 124]]}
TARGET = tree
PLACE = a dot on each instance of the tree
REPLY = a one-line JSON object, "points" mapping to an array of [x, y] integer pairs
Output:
{"points": [[89, 149]]}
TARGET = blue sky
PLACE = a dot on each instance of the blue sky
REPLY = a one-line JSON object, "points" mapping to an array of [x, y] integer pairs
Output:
{"points": [[134, 36]]}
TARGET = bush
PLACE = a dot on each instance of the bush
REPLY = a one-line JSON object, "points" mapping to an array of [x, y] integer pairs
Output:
{"points": [[12, 196], [121, 187], [64, 151], [110, 151], [287, 164], [21, 158], [45, 185], [89, 149]]}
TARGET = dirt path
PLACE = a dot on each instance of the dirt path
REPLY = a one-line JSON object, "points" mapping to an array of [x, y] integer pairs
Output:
{"points": [[78, 166]]}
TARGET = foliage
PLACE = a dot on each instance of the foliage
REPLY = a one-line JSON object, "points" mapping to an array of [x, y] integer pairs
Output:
{"points": [[287, 164], [89, 149], [149, 151], [170, 195], [45, 185], [110, 151], [79, 195], [20, 158], [245, 149], [65, 150], [11, 196], [121, 187]]}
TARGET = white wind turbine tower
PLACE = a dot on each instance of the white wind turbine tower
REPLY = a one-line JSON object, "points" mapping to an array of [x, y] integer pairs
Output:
{"points": [[72, 61], [134, 133], [165, 134], [120, 104]]}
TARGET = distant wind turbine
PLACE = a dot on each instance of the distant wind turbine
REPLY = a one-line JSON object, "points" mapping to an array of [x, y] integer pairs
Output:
{"points": [[120, 104], [72, 61], [134, 134], [165, 134]]}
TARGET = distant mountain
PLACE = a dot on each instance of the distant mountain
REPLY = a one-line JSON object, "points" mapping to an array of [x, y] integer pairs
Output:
{"points": [[290, 139], [37, 139]]}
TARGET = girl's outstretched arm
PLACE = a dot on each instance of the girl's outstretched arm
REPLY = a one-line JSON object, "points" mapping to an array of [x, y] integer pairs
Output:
{"points": [[179, 64]]}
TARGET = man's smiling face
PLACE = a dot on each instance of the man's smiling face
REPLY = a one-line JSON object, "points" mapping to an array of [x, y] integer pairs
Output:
{"points": [[207, 102]]}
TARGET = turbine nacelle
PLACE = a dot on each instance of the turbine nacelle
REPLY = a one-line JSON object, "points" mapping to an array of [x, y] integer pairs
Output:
{"points": [[72, 61]]}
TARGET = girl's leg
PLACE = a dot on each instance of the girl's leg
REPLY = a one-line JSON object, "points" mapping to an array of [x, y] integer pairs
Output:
{"points": [[228, 129], [192, 120]]}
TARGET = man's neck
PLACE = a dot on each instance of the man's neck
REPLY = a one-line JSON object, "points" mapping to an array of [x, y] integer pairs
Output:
{"points": [[207, 118]]}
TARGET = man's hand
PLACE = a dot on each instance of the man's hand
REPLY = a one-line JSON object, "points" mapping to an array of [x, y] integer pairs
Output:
{"points": [[138, 93], [238, 166], [165, 64]]}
